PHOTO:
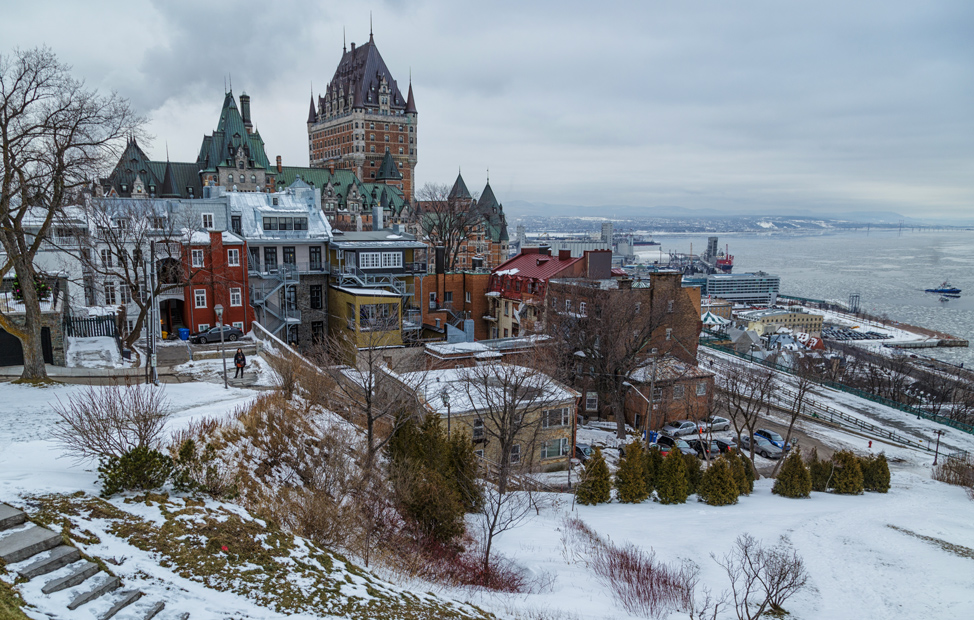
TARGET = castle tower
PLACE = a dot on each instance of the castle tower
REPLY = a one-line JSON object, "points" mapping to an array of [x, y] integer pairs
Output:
{"points": [[362, 116]]}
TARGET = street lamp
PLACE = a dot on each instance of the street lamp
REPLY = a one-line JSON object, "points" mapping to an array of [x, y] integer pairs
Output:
{"points": [[649, 401], [446, 403], [219, 321]]}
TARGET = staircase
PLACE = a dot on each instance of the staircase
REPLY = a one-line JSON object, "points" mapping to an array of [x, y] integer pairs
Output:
{"points": [[57, 571]]}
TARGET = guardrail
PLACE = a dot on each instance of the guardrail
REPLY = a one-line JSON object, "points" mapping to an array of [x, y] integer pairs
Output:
{"points": [[920, 413]]}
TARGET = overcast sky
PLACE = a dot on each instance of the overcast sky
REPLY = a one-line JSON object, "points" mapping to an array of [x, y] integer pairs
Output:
{"points": [[764, 106]]}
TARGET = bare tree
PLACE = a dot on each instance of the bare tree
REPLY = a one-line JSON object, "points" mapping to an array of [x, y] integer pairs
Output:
{"points": [[611, 337], [515, 404], [804, 378], [745, 391], [761, 578], [370, 391], [446, 220], [111, 420], [119, 247], [54, 135]]}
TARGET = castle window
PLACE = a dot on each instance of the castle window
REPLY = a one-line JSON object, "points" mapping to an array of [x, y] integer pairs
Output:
{"points": [[253, 178], [387, 138], [240, 165], [400, 139], [400, 151], [371, 125], [372, 148], [387, 126], [400, 128]]}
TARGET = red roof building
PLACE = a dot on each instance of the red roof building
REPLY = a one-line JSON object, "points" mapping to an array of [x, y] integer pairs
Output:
{"points": [[517, 288]]}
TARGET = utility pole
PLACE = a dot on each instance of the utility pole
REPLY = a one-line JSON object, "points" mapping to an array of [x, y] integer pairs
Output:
{"points": [[154, 315], [219, 318], [937, 451]]}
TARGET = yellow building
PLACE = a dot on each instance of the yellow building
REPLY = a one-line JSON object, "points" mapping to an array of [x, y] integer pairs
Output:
{"points": [[770, 321], [365, 317], [488, 401]]}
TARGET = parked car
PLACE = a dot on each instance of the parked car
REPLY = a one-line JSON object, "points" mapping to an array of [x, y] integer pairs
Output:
{"points": [[726, 445], [680, 427], [583, 451], [674, 442], [762, 446], [230, 334], [704, 448], [714, 423], [774, 438]]}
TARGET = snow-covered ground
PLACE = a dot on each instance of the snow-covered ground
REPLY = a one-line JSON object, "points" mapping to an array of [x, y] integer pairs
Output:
{"points": [[866, 555], [212, 370], [96, 352]]}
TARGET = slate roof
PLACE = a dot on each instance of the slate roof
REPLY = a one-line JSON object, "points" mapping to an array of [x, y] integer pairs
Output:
{"points": [[343, 181], [459, 189], [493, 213], [360, 72], [220, 148], [134, 163], [410, 100], [388, 170]]}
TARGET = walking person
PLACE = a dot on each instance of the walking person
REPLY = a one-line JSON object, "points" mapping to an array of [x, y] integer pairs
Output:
{"points": [[240, 361]]}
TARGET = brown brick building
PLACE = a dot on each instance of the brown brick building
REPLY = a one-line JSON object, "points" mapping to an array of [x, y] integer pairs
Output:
{"points": [[362, 116], [449, 298]]}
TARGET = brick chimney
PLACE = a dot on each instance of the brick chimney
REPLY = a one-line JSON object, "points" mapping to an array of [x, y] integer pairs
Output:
{"points": [[564, 254], [280, 168]]}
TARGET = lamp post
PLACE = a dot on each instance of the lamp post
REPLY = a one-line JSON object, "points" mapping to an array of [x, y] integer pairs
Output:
{"points": [[649, 401], [219, 321], [446, 403]]}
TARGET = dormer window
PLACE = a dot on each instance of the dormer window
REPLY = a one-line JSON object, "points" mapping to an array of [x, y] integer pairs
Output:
{"points": [[240, 165]]}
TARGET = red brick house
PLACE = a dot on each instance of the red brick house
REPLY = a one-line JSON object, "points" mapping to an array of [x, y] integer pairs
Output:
{"points": [[218, 264]]}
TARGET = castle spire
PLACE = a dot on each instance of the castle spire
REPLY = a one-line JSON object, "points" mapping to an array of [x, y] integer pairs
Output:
{"points": [[370, 27], [410, 101], [344, 47]]}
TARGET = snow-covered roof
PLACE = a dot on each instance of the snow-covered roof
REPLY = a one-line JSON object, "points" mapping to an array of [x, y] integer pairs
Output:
{"points": [[253, 207], [468, 392], [370, 292]]}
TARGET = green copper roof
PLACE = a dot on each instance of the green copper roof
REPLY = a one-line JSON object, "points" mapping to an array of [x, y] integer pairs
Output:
{"points": [[388, 170], [220, 148]]}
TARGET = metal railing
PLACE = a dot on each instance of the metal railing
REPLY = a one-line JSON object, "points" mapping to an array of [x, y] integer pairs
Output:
{"points": [[920, 413]]}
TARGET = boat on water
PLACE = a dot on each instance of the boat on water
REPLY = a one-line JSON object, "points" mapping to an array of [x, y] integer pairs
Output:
{"points": [[945, 289]]}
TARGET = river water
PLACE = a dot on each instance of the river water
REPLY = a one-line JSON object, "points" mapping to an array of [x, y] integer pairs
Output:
{"points": [[889, 270]]}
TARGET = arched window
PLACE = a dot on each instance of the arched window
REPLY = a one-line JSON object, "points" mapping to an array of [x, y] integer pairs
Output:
{"points": [[229, 178], [253, 178], [400, 150]]}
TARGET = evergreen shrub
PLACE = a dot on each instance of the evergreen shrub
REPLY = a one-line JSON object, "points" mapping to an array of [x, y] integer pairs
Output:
{"points": [[595, 487], [743, 472], [820, 471], [875, 473], [794, 479], [718, 486], [847, 478], [694, 472], [654, 465], [672, 486], [630, 480], [139, 469]]}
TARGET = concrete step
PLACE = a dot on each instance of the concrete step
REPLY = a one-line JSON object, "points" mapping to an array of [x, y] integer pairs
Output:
{"points": [[48, 561], [10, 516], [98, 585], [142, 610], [19, 544], [77, 573], [122, 600]]}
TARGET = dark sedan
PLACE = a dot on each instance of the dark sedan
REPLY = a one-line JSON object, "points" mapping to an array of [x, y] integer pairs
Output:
{"points": [[726, 445], [230, 334], [673, 442], [704, 448]]}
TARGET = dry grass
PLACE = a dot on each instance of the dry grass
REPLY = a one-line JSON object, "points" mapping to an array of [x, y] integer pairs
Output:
{"points": [[957, 471]]}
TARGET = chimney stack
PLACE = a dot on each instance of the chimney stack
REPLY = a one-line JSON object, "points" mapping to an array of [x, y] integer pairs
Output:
{"points": [[440, 259], [564, 254], [280, 168], [377, 217], [331, 166], [245, 112]]}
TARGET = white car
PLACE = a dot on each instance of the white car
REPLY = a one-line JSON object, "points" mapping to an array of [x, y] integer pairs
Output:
{"points": [[714, 423], [680, 427]]}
